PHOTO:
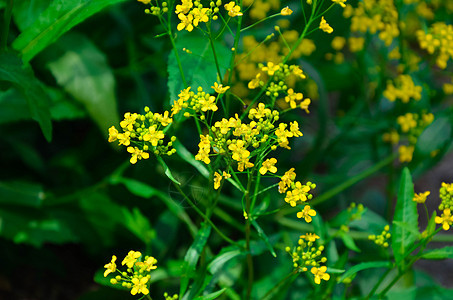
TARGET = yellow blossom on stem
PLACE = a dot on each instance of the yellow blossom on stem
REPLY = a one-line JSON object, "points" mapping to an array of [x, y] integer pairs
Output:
{"points": [[233, 9], [111, 266], [270, 68], [199, 15], [184, 7], [324, 26], [310, 237], [217, 180], [219, 88], [124, 138], [294, 129], [268, 165], [254, 83], [446, 219], [137, 154], [208, 104], [147, 265], [113, 134], [286, 180], [421, 197], [140, 286], [406, 153], [131, 258], [153, 135], [286, 11], [406, 122], [129, 121], [186, 22], [320, 273], [306, 214]]}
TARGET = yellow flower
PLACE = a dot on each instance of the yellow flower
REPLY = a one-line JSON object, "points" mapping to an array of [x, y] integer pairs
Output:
{"points": [[217, 180], [286, 180], [310, 237], [184, 7], [406, 122], [111, 266], [199, 15], [446, 219], [137, 154], [226, 175], [294, 129], [391, 137], [406, 153], [293, 97], [304, 105], [268, 165], [148, 264], [140, 286], [254, 83], [131, 258], [306, 214], [324, 26], [153, 135], [338, 43], [129, 121], [144, 1], [341, 2], [421, 197], [320, 273], [233, 9], [186, 22], [219, 88], [208, 104], [286, 11], [260, 112], [270, 68], [113, 134], [124, 138]]}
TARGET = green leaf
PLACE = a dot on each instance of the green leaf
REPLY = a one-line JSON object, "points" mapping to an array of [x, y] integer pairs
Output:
{"points": [[218, 263], [58, 18], [138, 188], [364, 266], [83, 72], [167, 170], [138, 224], [200, 62], [349, 242], [434, 137], [13, 106], [442, 253], [21, 193], [22, 78], [211, 296], [405, 213], [190, 158], [264, 237], [25, 12], [193, 254]]}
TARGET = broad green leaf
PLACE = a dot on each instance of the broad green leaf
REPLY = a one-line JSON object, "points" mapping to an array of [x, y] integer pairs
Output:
{"points": [[58, 18], [22, 78], [190, 158], [434, 137], [264, 237], [13, 106], [199, 66], [167, 170], [138, 224], [364, 266], [83, 72], [349, 242], [21, 193], [193, 254], [211, 296], [25, 12], [442, 253], [405, 213], [218, 263]]}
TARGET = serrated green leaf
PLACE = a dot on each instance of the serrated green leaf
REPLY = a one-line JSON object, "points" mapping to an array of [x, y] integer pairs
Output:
{"points": [[211, 296], [58, 18], [349, 242], [405, 213], [83, 72], [200, 62], [364, 266], [442, 253], [264, 237], [22, 78]]}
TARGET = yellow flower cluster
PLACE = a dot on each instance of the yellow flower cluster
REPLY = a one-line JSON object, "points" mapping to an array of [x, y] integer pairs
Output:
{"points": [[305, 255], [143, 133], [412, 126], [446, 219], [236, 140], [403, 88], [137, 274], [374, 16], [297, 193], [324, 26], [446, 195], [439, 39], [382, 239], [155, 9], [196, 103]]}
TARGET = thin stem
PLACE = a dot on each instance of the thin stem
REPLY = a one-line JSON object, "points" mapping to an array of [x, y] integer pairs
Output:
{"points": [[178, 60], [247, 238], [275, 289], [260, 21]]}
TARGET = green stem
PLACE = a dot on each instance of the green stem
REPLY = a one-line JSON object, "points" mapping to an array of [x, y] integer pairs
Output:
{"points": [[277, 287], [7, 21], [178, 60], [221, 234], [247, 238], [260, 21]]}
